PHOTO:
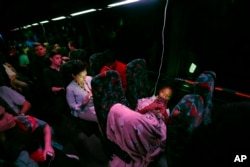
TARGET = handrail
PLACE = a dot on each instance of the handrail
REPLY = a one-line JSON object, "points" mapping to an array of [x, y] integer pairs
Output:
{"points": [[217, 88]]}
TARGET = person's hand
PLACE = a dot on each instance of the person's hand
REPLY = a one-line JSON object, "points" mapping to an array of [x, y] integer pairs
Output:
{"points": [[87, 99], [165, 116], [57, 89], [62, 89], [159, 109], [156, 107], [48, 150]]}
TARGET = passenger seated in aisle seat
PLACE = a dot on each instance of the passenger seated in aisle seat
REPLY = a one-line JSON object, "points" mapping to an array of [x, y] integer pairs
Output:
{"points": [[79, 94]]}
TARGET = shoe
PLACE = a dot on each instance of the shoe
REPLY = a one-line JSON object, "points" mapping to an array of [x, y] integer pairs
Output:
{"points": [[73, 156]]}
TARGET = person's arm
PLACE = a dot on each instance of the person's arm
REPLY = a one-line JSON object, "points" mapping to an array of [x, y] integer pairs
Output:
{"points": [[71, 100], [35, 125], [57, 89], [47, 140], [155, 107], [18, 99], [48, 82], [25, 108]]}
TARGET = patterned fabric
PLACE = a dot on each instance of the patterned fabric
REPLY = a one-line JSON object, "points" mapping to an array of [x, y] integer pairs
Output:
{"points": [[107, 91], [75, 95], [29, 123], [136, 74], [205, 87], [121, 68], [142, 136], [96, 62], [191, 106], [198, 106], [192, 111]]}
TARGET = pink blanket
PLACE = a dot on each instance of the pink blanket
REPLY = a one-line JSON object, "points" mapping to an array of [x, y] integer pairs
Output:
{"points": [[142, 136]]}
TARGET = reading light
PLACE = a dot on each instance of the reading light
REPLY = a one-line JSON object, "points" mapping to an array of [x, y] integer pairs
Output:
{"points": [[186, 85], [122, 3], [45, 21], [15, 29], [83, 12], [192, 68], [59, 18]]}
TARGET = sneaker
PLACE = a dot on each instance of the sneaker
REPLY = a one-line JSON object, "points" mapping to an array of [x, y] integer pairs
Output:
{"points": [[73, 156]]}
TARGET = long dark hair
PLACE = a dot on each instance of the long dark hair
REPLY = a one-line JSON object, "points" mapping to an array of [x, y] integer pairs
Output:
{"points": [[78, 67], [72, 67]]}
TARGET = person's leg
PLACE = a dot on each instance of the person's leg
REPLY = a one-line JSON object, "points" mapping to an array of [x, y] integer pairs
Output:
{"points": [[24, 160], [19, 83], [88, 115]]}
